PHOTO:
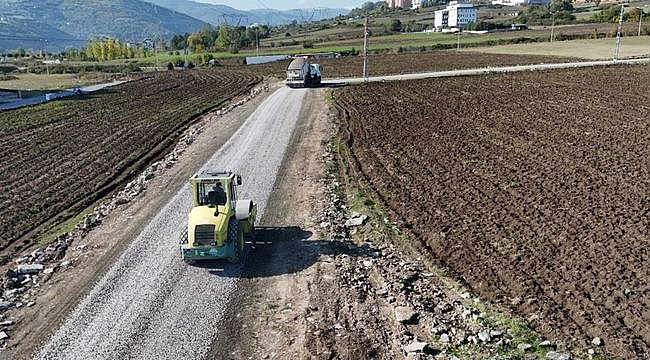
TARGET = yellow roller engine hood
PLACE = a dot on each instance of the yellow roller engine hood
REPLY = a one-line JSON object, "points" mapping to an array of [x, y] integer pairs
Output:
{"points": [[204, 219]]}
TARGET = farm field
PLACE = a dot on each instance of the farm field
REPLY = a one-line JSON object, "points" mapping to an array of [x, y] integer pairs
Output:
{"points": [[406, 63], [29, 81], [594, 49], [533, 188], [62, 156]]}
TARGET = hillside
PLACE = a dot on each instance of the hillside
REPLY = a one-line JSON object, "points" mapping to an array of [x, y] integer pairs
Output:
{"points": [[57, 24], [218, 14]]}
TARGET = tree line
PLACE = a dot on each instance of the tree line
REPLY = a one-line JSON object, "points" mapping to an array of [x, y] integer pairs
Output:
{"points": [[223, 38]]}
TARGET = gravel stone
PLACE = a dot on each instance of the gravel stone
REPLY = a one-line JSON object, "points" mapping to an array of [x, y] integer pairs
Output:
{"points": [[552, 355], [405, 314], [444, 338], [356, 220], [524, 347], [546, 343], [4, 305], [29, 268], [484, 336], [415, 346]]}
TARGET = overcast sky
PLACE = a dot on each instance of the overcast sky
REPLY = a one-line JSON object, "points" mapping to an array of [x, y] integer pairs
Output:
{"points": [[286, 4]]}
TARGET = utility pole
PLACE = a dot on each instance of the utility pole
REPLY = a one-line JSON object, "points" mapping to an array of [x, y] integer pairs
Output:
{"points": [[640, 17], [553, 24], [365, 49], [257, 38], [47, 65], [618, 33]]}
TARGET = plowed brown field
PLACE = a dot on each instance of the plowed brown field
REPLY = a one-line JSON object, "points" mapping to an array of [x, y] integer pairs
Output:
{"points": [[60, 157], [534, 188], [407, 63]]}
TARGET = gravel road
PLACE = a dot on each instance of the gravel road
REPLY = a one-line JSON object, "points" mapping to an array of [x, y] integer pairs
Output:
{"points": [[485, 70], [14, 104], [153, 305]]}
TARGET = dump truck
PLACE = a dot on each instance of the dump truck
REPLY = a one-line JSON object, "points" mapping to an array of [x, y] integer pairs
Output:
{"points": [[302, 73], [218, 220]]}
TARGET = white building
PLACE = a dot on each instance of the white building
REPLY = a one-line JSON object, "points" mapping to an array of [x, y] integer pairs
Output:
{"points": [[416, 4], [456, 14], [406, 4], [520, 2]]}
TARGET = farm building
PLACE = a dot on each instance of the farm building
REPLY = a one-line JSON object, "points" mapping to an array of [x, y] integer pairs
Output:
{"points": [[456, 14]]}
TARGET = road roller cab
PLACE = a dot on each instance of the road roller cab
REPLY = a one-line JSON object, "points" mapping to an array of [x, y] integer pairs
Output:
{"points": [[219, 220]]}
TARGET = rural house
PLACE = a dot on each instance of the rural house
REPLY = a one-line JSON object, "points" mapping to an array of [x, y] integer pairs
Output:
{"points": [[456, 14]]}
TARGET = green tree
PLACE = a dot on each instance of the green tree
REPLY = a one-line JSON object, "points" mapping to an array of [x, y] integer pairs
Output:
{"points": [[179, 42], [208, 36], [560, 5], [194, 40], [608, 14], [368, 7], [395, 25], [633, 15], [224, 40]]}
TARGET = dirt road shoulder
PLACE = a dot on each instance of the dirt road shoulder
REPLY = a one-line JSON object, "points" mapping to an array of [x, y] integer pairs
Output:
{"points": [[332, 278]]}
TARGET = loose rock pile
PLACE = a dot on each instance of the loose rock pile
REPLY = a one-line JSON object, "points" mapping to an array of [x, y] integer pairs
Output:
{"points": [[433, 317], [19, 285]]}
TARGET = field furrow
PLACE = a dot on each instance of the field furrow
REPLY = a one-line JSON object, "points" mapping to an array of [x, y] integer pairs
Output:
{"points": [[531, 187], [61, 156]]}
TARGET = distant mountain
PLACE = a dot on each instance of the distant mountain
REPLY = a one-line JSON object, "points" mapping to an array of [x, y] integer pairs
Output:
{"points": [[218, 14], [57, 24]]}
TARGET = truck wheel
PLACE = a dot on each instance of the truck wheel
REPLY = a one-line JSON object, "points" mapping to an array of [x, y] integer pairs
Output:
{"points": [[236, 237]]}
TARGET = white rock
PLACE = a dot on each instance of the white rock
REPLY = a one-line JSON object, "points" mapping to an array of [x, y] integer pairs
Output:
{"points": [[495, 333], [356, 220], [30, 268], [552, 355], [597, 341], [415, 346], [524, 347], [405, 314], [3, 335], [484, 336], [444, 338]]}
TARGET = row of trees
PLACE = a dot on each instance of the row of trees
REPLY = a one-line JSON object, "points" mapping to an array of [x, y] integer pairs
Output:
{"points": [[561, 11], [612, 14], [223, 38], [110, 49]]}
